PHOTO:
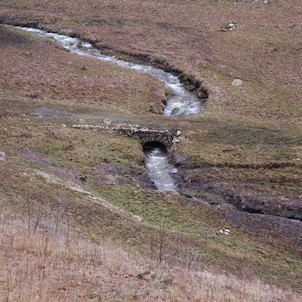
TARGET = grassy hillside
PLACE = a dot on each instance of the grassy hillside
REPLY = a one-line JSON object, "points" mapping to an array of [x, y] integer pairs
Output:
{"points": [[239, 162]]}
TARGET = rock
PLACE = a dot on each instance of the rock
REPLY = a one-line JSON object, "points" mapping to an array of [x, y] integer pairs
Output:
{"points": [[202, 94], [229, 26], [178, 133], [82, 178], [237, 83], [175, 110], [2, 156], [33, 95], [174, 171], [107, 121]]}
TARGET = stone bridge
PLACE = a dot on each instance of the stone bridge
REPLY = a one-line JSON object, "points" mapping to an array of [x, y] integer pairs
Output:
{"points": [[145, 135]]}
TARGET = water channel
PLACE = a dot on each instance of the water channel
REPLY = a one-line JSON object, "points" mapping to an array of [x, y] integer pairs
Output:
{"points": [[182, 102]]}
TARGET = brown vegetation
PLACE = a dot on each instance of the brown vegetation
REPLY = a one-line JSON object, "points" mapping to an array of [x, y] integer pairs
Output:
{"points": [[43, 262], [263, 51], [41, 71]]}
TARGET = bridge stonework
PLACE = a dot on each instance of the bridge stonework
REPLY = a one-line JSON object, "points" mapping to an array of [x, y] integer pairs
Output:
{"points": [[148, 135], [145, 135]]}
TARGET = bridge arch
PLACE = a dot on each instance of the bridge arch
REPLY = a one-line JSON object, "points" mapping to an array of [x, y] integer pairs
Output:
{"points": [[149, 146], [147, 136]]}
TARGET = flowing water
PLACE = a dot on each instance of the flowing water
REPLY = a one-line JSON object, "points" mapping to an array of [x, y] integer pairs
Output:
{"points": [[159, 169], [182, 102]]}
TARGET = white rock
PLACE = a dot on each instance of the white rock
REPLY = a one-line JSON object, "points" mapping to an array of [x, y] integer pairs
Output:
{"points": [[237, 83], [2, 156], [174, 171], [178, 133]]}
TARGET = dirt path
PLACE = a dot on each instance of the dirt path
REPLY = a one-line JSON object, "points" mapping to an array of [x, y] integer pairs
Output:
{"points": [[52, 179]]}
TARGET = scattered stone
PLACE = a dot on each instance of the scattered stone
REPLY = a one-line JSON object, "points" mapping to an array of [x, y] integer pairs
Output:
{"points": [[229, 26], [237, 83], [225, 231], [178, 133], [2, 156]]}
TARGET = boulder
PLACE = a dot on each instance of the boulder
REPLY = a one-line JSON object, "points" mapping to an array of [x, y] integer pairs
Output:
{"points": [[237, 83]]}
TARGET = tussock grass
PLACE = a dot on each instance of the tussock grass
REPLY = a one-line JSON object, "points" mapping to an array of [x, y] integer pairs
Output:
{"points": [[43, 262]]}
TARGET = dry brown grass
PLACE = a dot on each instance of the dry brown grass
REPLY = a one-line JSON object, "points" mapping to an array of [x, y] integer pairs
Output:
{"points": [[264, 51], [35, 69], [42, 262]]}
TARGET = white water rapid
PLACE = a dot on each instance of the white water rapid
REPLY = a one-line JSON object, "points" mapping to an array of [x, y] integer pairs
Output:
{"points": [[160, 171]]}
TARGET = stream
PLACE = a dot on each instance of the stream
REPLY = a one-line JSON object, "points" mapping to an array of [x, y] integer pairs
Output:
{"points": [[182, 102], [160, 171]]}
